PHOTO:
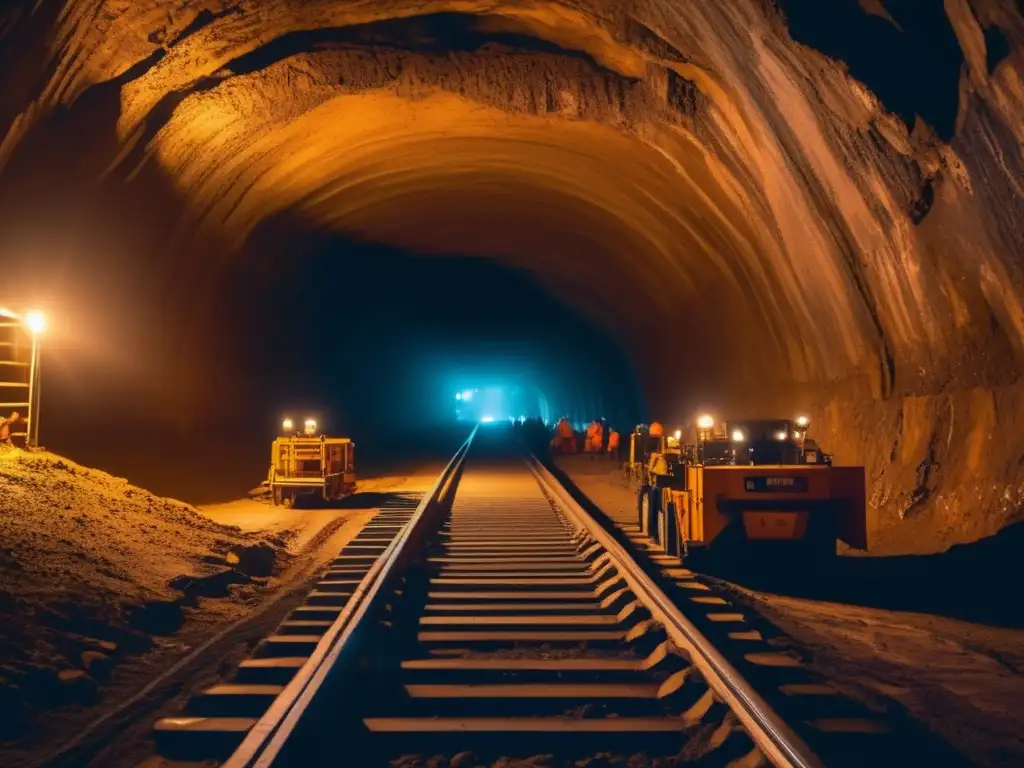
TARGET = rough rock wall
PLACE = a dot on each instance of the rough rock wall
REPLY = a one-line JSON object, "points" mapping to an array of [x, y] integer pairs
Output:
{"points": [[729, 200]]}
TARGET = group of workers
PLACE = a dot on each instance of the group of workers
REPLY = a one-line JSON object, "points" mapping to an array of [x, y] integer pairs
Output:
{"points": [[594, 443]]}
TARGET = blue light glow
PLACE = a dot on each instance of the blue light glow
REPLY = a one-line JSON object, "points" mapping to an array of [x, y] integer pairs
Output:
{"points": [[486, 419]]}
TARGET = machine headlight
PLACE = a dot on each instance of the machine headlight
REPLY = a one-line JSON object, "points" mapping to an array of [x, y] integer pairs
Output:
{"points": [[287, 425], [803, 421], [780, 435], [705, 422], [310, 426], [738, 436], [678, 434]]}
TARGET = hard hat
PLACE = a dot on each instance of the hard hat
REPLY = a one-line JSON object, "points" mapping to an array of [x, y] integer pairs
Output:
{"points": [[656, 429]]}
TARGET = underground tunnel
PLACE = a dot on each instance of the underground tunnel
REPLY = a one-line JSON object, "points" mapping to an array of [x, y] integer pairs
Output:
{"points": [[759, 212], [235, 210]]}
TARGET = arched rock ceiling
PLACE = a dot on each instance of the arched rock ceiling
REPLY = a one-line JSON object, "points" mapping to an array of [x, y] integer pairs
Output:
{"points": [[661, 164]]}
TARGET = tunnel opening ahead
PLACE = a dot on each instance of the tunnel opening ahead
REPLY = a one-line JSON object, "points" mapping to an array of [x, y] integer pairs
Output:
{"points": [[733, 209]]}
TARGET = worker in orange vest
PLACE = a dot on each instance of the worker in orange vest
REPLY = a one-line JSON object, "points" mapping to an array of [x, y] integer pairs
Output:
{"points": [[613, 445], [565, 437], [595, 438]]}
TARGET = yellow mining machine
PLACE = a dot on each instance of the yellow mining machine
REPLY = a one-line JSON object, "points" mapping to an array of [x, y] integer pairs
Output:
{"points": [[742, 483], [306, 466]]}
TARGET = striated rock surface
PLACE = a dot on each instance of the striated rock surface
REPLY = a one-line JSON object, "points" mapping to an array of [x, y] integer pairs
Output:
{"points": [[774, 205]]}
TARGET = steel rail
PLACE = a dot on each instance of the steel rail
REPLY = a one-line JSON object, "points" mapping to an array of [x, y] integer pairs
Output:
{"points": [[268, 736], [776, 740]]}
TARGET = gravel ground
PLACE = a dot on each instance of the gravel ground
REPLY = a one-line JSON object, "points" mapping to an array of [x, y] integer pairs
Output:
{"points": [[86, 564], [964, 680], [103, 586]]}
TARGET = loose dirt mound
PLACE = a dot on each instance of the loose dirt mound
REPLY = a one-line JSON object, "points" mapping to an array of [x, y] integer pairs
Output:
{"points": [[86, 565]]}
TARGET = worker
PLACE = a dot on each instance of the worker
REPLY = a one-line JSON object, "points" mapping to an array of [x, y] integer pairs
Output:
{"points": [[613, 445], [594, 439], [565, 437], [5, 427]]}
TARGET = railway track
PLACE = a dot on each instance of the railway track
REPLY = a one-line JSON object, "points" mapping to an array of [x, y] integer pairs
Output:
{"points": [[497, 620]]}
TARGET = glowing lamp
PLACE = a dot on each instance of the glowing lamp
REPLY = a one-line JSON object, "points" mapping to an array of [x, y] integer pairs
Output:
{"points": [[310, 426], [705, 422], [35, 321], [487, 419], [287, 425], [678, 433], [802, 421], [458, 395], [738, 436], [780, 435]]}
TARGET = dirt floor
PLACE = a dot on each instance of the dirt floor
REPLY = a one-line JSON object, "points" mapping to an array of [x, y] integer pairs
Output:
{"points": [[963, 679], [115, 603]]}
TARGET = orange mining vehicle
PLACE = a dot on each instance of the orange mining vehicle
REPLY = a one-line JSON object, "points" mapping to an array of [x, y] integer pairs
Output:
{"points": [[743, 483], [307, 466]]}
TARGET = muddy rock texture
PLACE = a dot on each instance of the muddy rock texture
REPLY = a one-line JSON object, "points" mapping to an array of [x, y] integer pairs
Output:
{"points": [[776, 206], [84, 578]]}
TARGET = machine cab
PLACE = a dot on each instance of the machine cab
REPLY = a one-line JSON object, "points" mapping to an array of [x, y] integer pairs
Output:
{"points": [[773, 442]]}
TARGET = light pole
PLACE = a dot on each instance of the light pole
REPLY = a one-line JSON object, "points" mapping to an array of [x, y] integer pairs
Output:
{"points": [[35, 322], [705, 424]]}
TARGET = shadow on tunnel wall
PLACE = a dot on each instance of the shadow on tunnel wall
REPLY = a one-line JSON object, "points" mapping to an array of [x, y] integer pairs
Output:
{"points": [[911, 60], [968, 581]]}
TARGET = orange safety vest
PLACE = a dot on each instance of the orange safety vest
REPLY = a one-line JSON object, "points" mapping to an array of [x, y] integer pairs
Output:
{"points": [[613, 440], [565, 428]]}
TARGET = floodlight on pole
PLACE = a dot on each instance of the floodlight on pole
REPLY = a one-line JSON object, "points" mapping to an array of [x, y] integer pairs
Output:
{"points": [[35, 321]]}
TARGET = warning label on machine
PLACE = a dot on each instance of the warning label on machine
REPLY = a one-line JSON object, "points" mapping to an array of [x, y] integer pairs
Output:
{"points": [[777, 484]]}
